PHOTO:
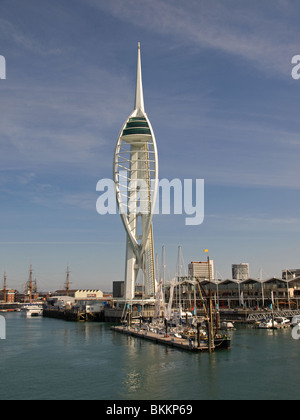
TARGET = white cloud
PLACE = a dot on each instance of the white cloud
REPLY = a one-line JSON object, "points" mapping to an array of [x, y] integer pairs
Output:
{"points": [[256, 31], [66, 123], [11, 32], [253, 223], [26, 178]]}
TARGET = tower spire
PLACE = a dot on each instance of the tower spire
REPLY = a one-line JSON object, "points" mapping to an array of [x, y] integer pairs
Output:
{"points": [[136, 179], [139, 96]]}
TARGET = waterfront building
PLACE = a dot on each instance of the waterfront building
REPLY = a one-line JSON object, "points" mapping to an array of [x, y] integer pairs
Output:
{"points": [[7, 296], [83, 294], [135, 171], [240, 271], [81, 300], [290, 273], [60, 302], [199, 269], [232, 294]]}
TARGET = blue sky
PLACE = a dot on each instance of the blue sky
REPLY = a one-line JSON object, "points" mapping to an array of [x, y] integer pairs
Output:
{"points": [[223, 105]]}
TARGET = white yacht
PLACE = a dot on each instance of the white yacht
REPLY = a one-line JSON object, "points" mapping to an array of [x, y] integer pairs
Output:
{"points": [[32, 310], [268, 323], [282, 321]]}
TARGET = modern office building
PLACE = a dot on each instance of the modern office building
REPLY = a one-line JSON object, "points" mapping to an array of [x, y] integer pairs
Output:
{"points": [[240, 271], [199, 269]]}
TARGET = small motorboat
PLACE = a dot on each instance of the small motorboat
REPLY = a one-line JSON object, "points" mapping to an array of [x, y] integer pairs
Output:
{"points": [[226, 325]]}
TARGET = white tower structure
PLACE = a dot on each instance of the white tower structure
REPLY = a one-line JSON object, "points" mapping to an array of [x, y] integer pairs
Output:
{"points": [[136, 180]]}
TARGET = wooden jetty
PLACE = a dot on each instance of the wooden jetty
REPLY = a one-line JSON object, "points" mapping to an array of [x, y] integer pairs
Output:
{"points": [[172, 341]]}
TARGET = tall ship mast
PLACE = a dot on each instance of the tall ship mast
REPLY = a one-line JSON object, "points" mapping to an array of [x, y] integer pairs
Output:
{"points": [[31, 286], [67, 284]]}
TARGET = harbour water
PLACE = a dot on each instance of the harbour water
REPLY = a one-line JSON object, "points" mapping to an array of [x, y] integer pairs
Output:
{"points": [[50, 359]]}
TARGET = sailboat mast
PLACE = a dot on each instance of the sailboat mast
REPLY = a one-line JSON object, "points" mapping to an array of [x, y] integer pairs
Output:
{"points": [[164, 271], [4, 288], [210, 320], [179, 276]]}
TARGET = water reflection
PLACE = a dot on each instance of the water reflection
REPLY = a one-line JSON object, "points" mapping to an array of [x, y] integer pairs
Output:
{"points": [[133, 381], [88, 360]]}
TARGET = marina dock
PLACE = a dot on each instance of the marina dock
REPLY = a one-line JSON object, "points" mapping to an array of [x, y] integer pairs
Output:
{"points": [[171, 341]]}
